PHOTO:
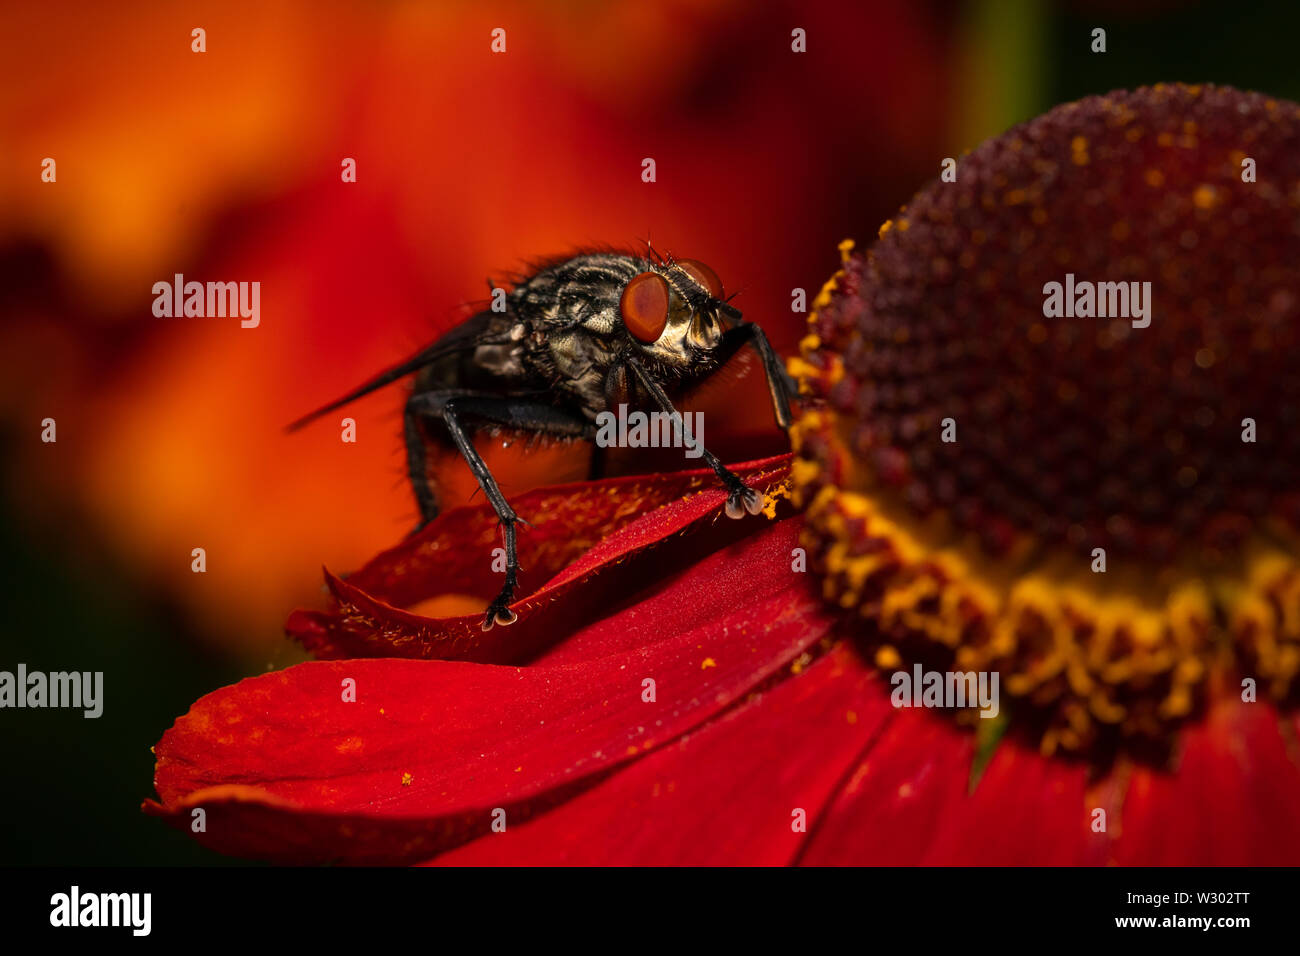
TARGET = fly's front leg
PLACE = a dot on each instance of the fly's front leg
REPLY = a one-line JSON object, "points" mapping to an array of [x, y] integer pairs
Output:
{"points": [[514, 413], [739, 498]]}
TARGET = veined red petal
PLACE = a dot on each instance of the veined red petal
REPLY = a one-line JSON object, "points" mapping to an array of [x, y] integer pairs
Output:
{"points": [[1230, 801], [575, 532], [1026, 810], [286, 770], [899, 795], [745, 789]]}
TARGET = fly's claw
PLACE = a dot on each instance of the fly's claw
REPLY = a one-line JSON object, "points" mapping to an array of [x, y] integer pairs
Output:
{"points": [[498, 613], [743, 499]]}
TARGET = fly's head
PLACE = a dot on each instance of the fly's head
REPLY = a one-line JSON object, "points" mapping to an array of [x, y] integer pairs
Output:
{"points": [[675, 312]]}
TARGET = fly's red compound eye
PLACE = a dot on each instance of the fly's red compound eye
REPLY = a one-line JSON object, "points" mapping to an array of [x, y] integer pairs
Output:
{"points": [[645, 306], [702, 274]]}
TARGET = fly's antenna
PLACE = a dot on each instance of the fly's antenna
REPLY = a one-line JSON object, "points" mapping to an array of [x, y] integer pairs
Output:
{"points": [[725, 306]]}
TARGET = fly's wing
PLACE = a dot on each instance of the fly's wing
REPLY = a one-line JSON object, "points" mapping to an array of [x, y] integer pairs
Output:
{"points": [[459, 339]]}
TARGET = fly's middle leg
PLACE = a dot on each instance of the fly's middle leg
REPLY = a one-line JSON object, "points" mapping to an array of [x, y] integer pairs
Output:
{"points": [[452, 410]]}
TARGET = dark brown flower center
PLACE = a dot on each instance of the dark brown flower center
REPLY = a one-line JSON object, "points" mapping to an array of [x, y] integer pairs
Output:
{"points": [[1085, 345]]}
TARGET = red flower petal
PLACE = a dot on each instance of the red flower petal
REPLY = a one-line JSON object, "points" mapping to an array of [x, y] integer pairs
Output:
{"points": [[1026, 809], [900, 794], [287, 771], [723, 795], [1230, 802], [576, 531]]}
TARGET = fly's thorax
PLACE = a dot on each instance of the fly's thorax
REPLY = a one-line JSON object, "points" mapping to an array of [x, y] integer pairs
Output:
{"points": [[581, 292], [571, 316]]}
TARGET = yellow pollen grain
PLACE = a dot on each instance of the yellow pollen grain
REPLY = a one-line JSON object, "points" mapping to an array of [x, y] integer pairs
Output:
{"points": [[799, 369], [1079, 151], [1177, 704], [707, 663], [1205, 197], [885, 227], [407, 779], [887, 658], [771, 497], [824, 296]]}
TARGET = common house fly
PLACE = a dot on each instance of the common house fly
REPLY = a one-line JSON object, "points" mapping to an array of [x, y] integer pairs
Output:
{"points": [[576, 337]]}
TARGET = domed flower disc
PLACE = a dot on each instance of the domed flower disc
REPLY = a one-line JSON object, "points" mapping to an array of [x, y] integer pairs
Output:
{"points": [[1053, 414]]}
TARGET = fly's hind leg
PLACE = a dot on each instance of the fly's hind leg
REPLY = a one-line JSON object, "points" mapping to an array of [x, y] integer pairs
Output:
{"points": [[516, 413], [596, 465], [426, 499]]}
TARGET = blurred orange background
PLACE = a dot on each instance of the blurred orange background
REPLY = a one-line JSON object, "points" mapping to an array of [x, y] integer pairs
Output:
{"points": [[225, 166]]}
